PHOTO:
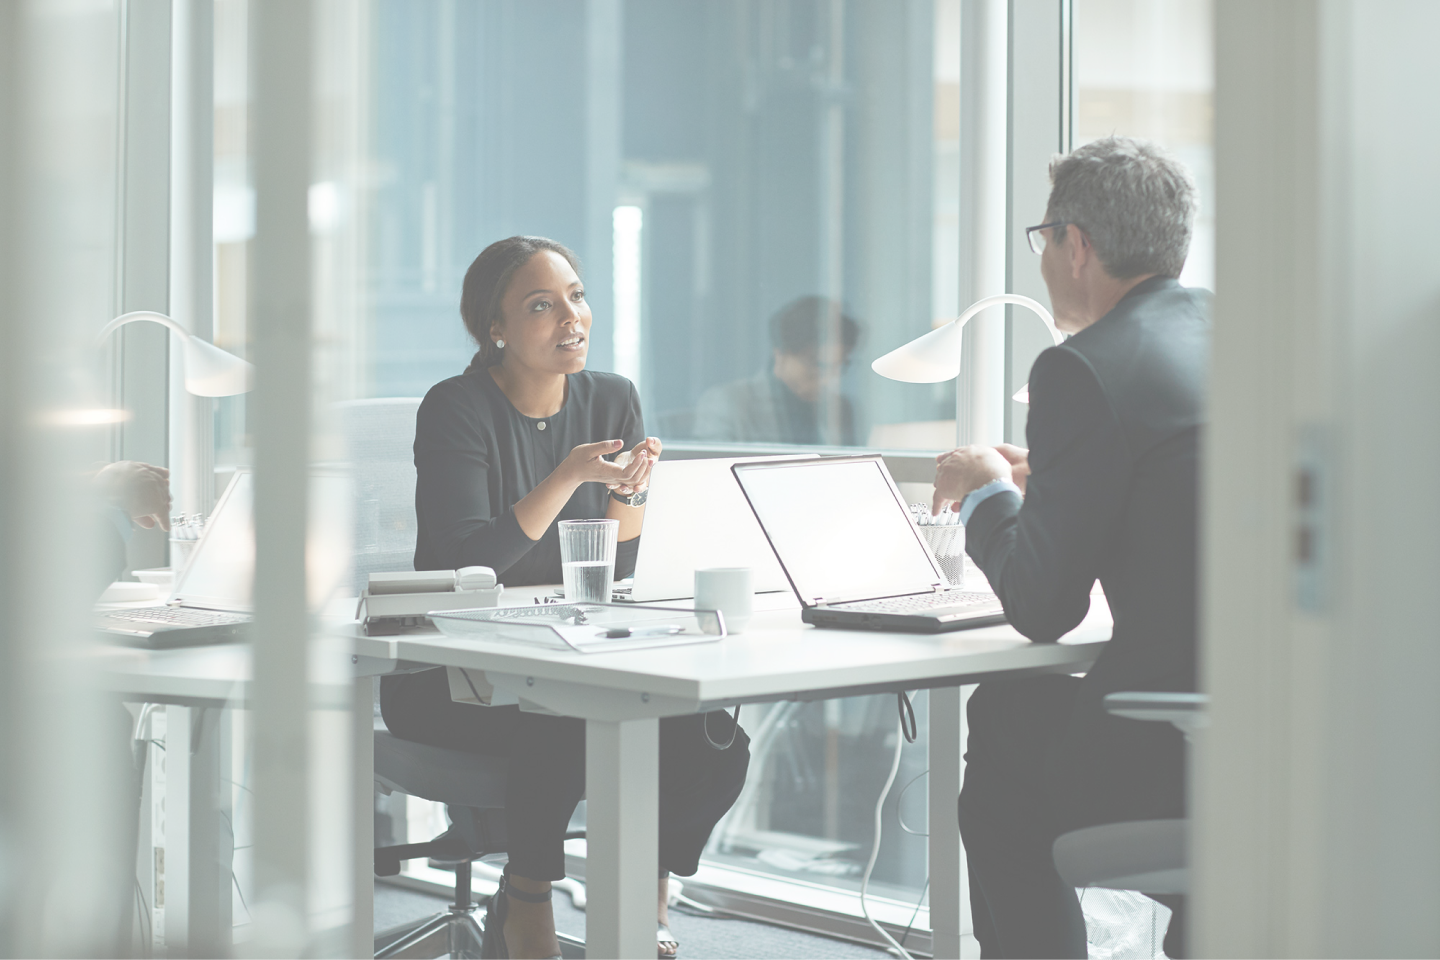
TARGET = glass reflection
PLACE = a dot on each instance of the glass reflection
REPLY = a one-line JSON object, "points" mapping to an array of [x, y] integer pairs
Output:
{"points": [[796, 397]]}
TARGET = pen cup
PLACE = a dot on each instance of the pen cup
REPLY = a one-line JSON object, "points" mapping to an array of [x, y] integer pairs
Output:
{"points": [[727, 589], [587, 559]]}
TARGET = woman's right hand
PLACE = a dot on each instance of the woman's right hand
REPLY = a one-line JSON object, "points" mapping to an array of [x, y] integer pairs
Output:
{"points": [[587, 464]]}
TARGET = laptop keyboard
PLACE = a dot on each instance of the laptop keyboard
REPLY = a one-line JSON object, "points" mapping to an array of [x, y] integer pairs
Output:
{"points": [[177, 617], [917, 603]]}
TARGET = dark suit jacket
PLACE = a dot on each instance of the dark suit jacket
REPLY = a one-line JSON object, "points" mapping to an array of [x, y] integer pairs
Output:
{"points": [[1114, 436]]}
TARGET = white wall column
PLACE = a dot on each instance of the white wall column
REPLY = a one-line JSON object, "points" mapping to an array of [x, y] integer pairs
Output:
{"points": [[1039, 91], [1316, 786], [604, 47], [281, 321], [192, 250], [65, 806], [984, 61], [143, 249]]}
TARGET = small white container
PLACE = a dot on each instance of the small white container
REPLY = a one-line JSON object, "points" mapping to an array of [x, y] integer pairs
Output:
{"points": [[162, 577], [729, 590]]}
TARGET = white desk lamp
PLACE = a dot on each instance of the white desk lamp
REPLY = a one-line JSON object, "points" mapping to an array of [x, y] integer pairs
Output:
{"points": [[209, 371], [935, 357]]}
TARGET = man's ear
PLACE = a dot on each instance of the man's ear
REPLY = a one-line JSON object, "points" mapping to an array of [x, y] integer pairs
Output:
{"points": [[1080, 250]]}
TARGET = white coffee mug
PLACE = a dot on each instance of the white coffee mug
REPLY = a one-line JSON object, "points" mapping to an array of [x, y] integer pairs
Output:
{"points": [[728, 590]]}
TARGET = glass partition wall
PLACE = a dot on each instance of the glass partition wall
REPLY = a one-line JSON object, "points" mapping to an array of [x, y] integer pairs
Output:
{"points": [[762, 194], [765, 196], [1146, 68]]}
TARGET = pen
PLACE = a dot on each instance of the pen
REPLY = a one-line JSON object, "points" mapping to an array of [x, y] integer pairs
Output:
{"points": [[667, 630]]}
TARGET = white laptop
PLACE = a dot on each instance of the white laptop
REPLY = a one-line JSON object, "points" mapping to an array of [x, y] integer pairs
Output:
{"points": [[211, 601], [696, 517], [850, 550]]}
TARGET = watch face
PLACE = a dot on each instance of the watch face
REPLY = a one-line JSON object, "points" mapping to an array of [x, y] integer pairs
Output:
{"points": [[634, 500]]}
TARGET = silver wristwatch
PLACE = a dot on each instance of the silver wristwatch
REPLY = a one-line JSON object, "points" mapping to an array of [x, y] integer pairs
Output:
{"points": [[636, 499]]}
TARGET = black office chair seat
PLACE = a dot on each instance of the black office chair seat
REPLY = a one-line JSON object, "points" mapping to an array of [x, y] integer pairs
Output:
{"points": [[473, 789]]}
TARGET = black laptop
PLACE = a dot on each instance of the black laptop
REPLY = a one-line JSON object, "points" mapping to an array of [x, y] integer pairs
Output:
{"points": [[853, 556]]}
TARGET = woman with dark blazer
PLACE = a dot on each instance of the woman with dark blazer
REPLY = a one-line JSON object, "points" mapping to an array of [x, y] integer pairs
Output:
{"points": [[524, 438]]}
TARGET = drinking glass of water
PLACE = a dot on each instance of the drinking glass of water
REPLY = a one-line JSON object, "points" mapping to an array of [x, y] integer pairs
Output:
{"points": [[587, 558]]}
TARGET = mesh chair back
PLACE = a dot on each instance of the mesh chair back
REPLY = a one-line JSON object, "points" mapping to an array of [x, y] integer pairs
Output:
{"points": [[380, 436]]}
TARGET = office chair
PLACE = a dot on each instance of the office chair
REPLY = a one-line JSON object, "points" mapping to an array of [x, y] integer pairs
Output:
{"points": [[380, 439], [473, 789], [1145, 855], [380, 436]]}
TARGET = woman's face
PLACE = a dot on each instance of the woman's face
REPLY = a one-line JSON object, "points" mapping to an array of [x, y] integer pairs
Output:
{"points": [[545, 321]]}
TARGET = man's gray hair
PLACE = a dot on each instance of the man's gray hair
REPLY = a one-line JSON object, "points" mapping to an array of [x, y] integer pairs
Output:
{"points": [[1135, 201]]}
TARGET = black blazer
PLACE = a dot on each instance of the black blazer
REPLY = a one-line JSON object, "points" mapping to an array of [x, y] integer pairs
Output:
{"points": [[1114, 434], [476, 456]]}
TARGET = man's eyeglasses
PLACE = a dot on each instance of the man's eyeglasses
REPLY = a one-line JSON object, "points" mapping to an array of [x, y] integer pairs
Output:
{"points": [[1036, 239]]}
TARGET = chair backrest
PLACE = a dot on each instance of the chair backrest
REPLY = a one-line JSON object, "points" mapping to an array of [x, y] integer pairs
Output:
{"points": [[380, 437]]}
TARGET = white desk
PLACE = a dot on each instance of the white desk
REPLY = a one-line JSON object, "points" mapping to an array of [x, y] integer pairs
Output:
{"points": [[198, 684], [621, 696]]}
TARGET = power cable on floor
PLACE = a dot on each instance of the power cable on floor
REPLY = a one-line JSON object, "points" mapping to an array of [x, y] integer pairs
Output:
{"points": [[875, 847]]}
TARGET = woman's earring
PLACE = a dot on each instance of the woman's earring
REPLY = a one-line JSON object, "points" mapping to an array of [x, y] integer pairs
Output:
{"points": [[500, 344]]}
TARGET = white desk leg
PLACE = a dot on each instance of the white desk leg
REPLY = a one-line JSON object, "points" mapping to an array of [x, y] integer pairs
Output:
{"points": [[363, 818], [947, 865], [622, 805], [199, 842]]}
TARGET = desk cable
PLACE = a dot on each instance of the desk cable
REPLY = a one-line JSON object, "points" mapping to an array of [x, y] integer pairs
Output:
{"points": [[900, 740], [734, 730]]}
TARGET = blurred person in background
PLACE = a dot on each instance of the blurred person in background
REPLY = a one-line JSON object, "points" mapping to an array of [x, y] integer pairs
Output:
{"points": [[785, 402], [128, 493]]}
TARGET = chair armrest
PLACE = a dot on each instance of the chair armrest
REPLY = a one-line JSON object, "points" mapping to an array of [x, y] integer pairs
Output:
{"points": [[1185, 710]]}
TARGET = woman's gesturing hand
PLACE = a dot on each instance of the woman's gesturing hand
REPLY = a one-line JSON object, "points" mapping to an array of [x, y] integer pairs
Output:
{"points": [[587, 464], [647, 451]]}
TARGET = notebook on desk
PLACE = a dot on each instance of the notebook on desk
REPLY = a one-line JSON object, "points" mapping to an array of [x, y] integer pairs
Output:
{"points": [[844, 537]]}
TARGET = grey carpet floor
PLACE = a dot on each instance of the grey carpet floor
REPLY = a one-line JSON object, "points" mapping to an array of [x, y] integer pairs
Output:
{"points": [[701, 938]]}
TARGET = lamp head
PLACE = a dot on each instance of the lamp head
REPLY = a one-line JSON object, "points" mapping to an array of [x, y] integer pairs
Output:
{"points": [[932, 358], [935, 356], [212, 372]]}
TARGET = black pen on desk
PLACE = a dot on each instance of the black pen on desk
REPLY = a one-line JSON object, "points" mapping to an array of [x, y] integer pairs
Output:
{"points": [[668, 630]]}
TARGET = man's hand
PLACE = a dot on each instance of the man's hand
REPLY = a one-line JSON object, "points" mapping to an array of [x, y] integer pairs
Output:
{"points": [[964, 470], [140, 489], [1019, 459]]}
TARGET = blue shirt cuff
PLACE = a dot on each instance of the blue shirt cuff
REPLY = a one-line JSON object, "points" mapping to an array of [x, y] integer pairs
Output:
{"points": [[974, 498]]}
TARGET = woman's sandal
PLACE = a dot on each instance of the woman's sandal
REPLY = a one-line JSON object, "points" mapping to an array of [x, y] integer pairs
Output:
{"points": [[664, 938], [493, 946]]}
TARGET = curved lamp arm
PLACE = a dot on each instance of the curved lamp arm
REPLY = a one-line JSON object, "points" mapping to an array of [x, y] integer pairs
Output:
{"points": [[209, 371], [935, 357]]}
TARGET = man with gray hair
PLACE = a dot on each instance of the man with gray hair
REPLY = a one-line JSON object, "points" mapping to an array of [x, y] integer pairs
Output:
{"points": [[1106, 491]]}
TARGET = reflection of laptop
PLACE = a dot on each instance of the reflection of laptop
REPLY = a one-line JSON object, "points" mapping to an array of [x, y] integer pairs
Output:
{"points": [[853, 555], [211, 599], [696, 517]]}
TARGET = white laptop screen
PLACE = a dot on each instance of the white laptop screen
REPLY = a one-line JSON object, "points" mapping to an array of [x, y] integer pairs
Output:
{"points": [[221, 573], [840, 529]]}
